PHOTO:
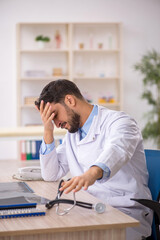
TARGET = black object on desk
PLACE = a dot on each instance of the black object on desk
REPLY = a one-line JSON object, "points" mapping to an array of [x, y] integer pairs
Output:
{"points": [[15, 203]]}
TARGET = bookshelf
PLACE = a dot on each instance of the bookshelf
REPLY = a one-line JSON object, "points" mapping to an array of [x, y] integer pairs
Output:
{"points": [[29, 139], [89, 54]]}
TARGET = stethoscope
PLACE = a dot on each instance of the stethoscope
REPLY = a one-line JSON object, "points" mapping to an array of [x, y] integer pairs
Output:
{"points": [[98, 207]]}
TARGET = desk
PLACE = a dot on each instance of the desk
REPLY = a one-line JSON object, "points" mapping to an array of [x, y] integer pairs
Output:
{"points": [[79, 224]]}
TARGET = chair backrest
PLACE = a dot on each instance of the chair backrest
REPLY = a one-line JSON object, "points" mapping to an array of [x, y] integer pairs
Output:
{"points": [[153, 166]]}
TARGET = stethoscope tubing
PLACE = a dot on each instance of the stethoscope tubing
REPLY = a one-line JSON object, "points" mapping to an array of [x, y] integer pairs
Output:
{"points": [[68, 201], [99, 207], [59, 200]]}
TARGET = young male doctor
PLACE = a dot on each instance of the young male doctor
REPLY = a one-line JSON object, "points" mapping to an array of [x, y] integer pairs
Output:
{"points": [[102, 149]]}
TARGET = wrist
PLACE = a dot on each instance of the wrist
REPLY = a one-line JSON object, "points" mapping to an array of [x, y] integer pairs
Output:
{"points": [[97, 172], [48, 137]]}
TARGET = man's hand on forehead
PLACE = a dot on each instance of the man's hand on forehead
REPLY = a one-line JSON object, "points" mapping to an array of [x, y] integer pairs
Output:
{"points": [[47, 116]]}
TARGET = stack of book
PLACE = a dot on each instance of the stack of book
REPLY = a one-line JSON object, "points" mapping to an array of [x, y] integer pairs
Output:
{"points": [[30, 149], [18, 207], [17, 199]]}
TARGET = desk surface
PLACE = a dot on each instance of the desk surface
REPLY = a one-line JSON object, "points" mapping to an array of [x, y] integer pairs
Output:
{"points": [[79, 219]]}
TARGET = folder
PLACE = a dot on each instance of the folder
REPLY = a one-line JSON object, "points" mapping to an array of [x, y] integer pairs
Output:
{"points": [[21, 213], [16, 203], [18, 207], [38, 145], [33, 150], [17, 199], [28, 150], [23, 150]]}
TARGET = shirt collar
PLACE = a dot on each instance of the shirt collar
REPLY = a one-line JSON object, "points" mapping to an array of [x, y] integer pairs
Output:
{"points": [[87, 124]]}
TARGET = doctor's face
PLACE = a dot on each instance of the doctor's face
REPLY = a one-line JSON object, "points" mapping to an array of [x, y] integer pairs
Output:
{"points": [[65, 117]]}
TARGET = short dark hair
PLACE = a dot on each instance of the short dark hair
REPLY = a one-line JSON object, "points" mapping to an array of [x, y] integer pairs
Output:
{"points": [[56, 91]]}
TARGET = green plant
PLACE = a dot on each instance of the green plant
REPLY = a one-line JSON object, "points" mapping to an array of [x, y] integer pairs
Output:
{"points": [[149, 66], [42, 38]]}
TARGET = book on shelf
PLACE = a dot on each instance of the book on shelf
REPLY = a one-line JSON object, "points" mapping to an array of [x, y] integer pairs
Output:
{"points": [[30, 148], [23, 150]]}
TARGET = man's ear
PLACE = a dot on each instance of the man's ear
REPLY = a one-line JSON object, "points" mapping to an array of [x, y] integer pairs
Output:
{"points": [[70, 100]]}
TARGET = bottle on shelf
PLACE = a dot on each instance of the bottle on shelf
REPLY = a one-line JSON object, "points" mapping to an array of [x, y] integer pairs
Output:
{"points": [[58, 39]]}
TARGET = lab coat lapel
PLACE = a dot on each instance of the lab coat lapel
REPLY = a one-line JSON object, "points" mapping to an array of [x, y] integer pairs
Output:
{"points": [[94, 129]]}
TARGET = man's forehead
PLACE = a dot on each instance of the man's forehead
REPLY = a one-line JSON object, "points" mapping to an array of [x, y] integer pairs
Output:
{"points": [[55, 106]]}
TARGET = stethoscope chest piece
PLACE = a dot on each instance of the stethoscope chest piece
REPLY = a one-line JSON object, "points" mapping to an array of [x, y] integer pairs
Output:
{"points": [[100, 207]]}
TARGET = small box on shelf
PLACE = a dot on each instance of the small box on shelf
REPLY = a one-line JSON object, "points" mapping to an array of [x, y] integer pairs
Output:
{"points": [[57, 72], [30, 100]]}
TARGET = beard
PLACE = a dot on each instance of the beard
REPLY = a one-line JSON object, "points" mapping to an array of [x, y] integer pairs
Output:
{"points": [[73, 120]]}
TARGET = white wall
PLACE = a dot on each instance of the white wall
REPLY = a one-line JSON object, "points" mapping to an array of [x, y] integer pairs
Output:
{"points": [[141, 32]]}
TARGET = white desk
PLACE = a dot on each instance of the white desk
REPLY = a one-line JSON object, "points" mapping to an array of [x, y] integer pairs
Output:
{"points": [[79, 224]]}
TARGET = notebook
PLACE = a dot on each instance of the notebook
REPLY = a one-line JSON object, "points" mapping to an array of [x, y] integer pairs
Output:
{"points": [[17, 199], [16, 202], [23, 212]]}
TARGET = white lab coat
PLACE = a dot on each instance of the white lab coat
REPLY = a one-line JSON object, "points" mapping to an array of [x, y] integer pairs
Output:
{"points": [[115, 140]]}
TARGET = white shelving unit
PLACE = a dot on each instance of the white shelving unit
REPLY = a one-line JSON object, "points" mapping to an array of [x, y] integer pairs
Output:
{"points": [[89, 54]]}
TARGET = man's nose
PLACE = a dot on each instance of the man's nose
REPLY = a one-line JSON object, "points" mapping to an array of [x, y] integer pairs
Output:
{"points": [[57, 123]]}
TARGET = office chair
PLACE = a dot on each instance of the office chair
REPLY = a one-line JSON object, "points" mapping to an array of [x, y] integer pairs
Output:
{"points": [[153, 166]]}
